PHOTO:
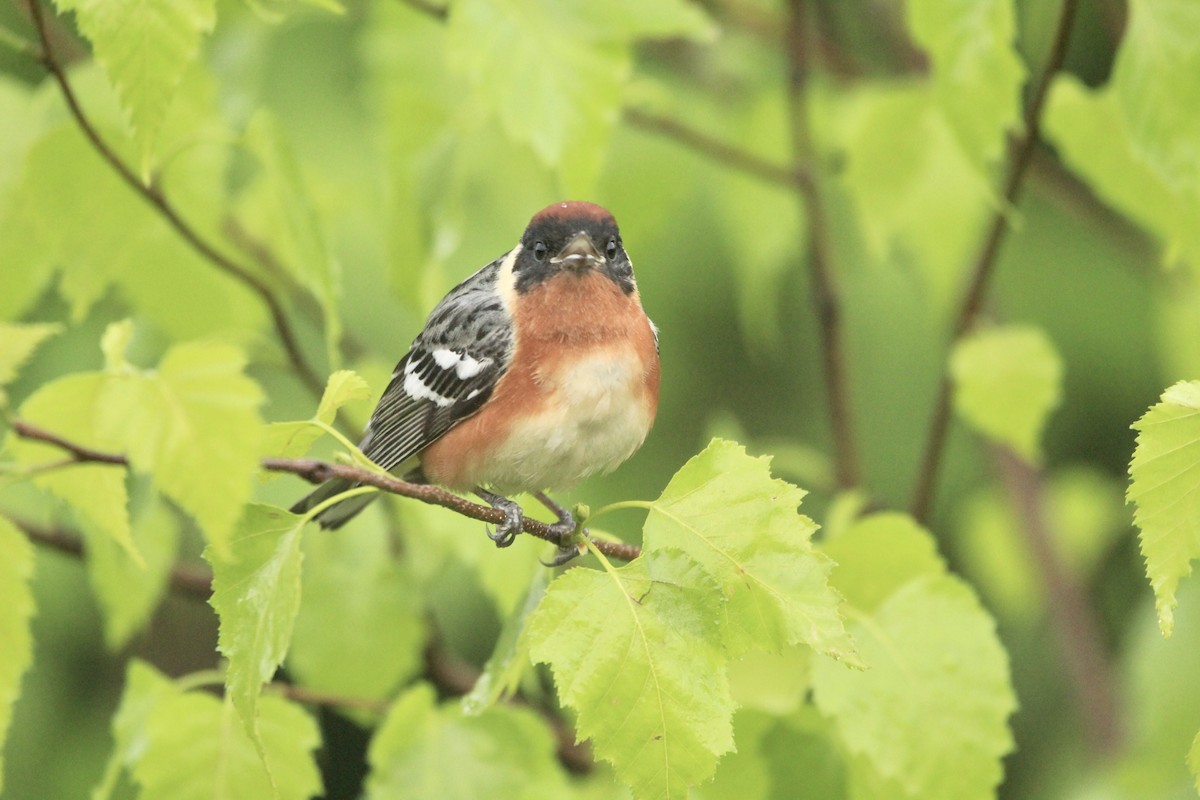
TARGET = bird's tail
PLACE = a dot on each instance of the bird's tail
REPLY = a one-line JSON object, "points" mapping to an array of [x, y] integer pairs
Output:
{"points": [[338, 514]]}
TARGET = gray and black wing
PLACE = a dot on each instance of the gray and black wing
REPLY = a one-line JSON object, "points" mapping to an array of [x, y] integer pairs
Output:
{"points": [[447, 375]]}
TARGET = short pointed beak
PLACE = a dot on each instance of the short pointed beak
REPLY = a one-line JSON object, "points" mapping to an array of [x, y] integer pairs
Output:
{"points": [[579, 254]]}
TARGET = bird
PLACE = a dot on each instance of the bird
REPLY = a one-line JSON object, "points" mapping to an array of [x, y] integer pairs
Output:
{"points": [[532, 374]]}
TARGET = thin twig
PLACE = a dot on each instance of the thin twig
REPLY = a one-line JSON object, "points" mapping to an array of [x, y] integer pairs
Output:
{"points": [[165, 209], [715, 149], [825, 295], [320, 471], [1076, 628], [438, 12], [1020, 153], [190, 580]]}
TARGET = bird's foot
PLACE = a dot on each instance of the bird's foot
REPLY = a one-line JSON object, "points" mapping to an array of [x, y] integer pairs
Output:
{"points": [[565, 553], [514, 519], [566, 525]]}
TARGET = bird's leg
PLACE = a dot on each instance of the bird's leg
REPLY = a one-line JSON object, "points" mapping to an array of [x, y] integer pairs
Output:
{"points": [[564, 529], [514, 519]]}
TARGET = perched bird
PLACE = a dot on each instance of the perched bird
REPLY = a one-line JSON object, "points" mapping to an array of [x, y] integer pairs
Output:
{"points": [[532, 374]]}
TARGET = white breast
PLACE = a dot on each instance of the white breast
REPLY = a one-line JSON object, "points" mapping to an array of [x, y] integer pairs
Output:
{"points": [[596, 418]]}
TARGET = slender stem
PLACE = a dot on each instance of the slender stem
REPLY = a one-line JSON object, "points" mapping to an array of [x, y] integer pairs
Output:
{"points": [[321, 471], [1076, 627], [825, 294], [715, 149], [191, 580], [165, 209], [1020, 153]]}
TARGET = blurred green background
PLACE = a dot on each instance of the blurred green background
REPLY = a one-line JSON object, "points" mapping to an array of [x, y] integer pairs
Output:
{"points": [[412, 179]]}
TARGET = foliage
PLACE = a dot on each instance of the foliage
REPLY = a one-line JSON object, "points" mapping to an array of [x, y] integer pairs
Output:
{"points": [[856, 231]]}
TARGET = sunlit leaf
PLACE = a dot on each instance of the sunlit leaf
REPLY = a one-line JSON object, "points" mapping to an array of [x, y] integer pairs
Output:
{"points": [[16, 611], [977, 73], [196, 749], [145, 46], [636, 655], [423, 750], [936, 664], [1007, 380], [17, 343], [292, 439], [1165, 490], [726, 511], [256, 594], [354, 576], [194, 425], [69, 407]]}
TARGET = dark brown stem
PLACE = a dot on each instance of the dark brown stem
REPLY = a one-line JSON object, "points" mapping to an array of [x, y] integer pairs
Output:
{"points": [[165, 209], [825, 294], [190, 580], [715, 149], [320, 471], [1075, 625], [1020, 153]]}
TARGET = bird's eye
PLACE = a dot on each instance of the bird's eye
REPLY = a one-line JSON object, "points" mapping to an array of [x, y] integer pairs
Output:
{"points": [[611, 249], [539, 251]]}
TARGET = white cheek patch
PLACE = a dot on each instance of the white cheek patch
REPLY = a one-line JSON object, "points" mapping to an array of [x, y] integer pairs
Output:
{"points": [[415, 388]]}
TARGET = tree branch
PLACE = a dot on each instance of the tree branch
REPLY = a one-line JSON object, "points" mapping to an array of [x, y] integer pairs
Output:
{"points": [[825, 295], [165, 209], [1075, 625], [714, 149], [316, 471], [1020, 153], [189, 580]]}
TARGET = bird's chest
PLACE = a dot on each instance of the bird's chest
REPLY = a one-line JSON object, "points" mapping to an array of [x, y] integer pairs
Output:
{"points": [[589, 413]]}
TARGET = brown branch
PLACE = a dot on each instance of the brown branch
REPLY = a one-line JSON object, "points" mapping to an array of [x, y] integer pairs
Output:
{"points": [[1076, 628], [154, 196], [434, 10], [190, 580], [710, 147], [1020, 153], [316, 471], [825, 294]]}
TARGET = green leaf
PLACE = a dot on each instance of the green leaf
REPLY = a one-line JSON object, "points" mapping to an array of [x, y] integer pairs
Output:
{"points": [[565, 113], [129, 592], [197, 750], [194, 425], [918, 196], [1156, 80], [422, 750], [69, 407], [977, 74], [353, 575], [1193, 760], [726, 511], [502, 672], [16, 611], [292, 439], [145, 46], [278, 211], [145, 688], [867, 583], [1165, 490], [1088, 128], [256, 594], [637, 656], [936, 665], [1007, 380], [17, 343]]}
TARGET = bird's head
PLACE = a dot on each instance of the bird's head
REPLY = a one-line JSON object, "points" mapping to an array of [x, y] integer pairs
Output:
{"points": [[572, 239]]}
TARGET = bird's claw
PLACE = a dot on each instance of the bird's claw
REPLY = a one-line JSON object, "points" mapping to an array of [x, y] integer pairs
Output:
{"points": [[514, 521], [566, 552]]}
